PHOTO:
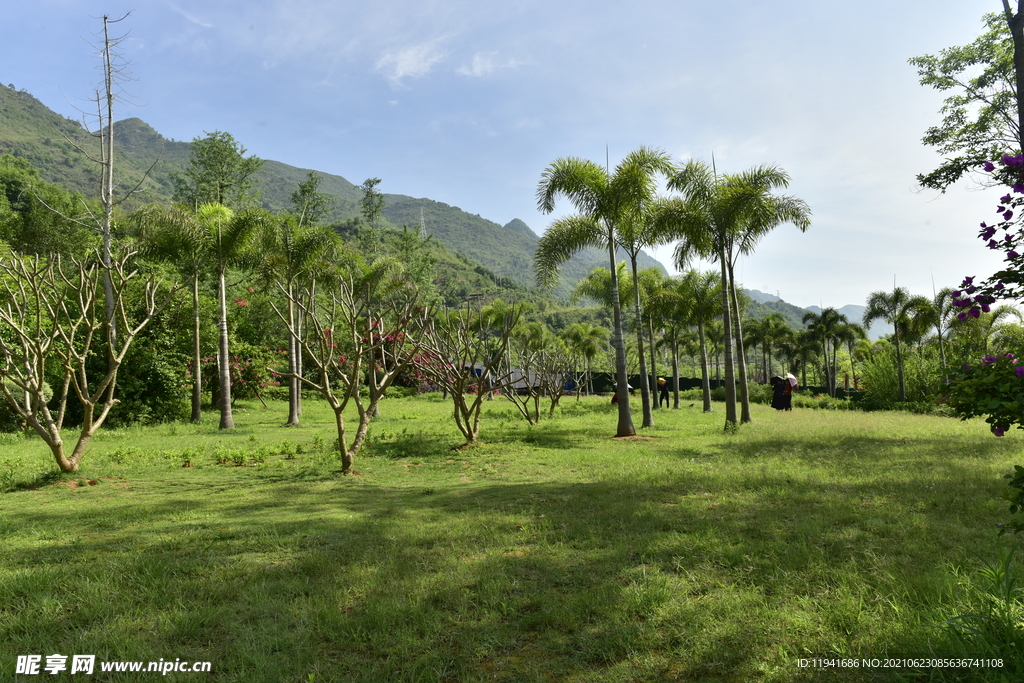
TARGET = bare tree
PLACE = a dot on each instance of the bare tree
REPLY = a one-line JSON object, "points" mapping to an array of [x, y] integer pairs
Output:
{"points": [[465, 355], [346, 344], [50, 316]]}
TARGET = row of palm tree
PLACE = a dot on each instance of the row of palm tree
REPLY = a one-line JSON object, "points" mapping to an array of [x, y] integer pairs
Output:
{"points": [[718, 217]]}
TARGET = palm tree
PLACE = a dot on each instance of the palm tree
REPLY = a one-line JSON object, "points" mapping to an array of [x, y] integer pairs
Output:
{"points": [[176, 235], [646, 285], [230, 234], [825, 329], [720, 218], [193, 240], [585, 340], [292, 255], [850, 334], [896, 308], [944, 312], [612, 211]]}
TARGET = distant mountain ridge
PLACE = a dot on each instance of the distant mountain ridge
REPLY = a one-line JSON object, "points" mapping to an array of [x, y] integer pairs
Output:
{"points": [[30, 130], [794, 314]]}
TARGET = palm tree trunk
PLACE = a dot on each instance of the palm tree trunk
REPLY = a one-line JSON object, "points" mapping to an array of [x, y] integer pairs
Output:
{"points": [[625, 426], [730, 375], [227, 421], [705, 376], [899, 363], [654, 362], [293, 347], [744, 389], [197, 357], [645, 386], [675, 368]]}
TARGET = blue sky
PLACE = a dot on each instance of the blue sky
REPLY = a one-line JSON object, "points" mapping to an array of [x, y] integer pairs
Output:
{"points": [[468, 102]]}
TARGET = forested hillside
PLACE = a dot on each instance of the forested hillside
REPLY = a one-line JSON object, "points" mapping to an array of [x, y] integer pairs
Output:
{"points": [[54, 145]]}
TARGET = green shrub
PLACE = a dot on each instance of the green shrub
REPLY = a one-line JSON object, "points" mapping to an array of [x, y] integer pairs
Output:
{"points": [[923, 377]]}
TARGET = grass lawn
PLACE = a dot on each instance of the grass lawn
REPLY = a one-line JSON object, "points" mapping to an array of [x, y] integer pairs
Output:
{"points": [[551, 553]]}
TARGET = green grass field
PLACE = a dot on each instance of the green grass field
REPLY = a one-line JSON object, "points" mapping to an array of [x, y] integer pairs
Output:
{"points": [[552, 553]]}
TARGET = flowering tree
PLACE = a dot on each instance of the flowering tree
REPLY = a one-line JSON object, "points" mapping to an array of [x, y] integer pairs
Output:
{"points": [[464, 354], [346, 344]]}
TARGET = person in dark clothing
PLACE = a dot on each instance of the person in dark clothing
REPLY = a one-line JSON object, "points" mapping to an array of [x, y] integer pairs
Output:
{"points": [[662, 392], [779, 397]]}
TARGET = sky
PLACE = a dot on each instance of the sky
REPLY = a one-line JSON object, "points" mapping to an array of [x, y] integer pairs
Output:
{"points": [[468, 102]]}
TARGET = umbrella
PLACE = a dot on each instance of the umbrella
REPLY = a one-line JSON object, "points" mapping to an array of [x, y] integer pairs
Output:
{"points": [[791, 379]]}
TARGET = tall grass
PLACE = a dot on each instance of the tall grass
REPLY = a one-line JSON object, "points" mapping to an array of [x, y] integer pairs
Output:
{"points": [[545, 553]]}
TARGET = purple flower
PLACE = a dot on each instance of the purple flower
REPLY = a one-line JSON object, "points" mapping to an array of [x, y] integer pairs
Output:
{"points": [[1008, 215], [989, 167], [967, 280], [992, 244], [1005, 199], [1019, 370], [1012, 254], [1014, 161], [998, 431], [1018, 188], [967, 367], [1009, 355], [974, 313], [999, 285], [962, 316], [985, 308]]}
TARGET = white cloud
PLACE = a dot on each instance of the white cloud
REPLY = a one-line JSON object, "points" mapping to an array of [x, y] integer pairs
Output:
{"points": [[190, 17], [413, 61], [485, 63]]}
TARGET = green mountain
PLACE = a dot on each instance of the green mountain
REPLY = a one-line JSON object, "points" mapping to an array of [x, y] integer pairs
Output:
{"points": [[54, 145]]}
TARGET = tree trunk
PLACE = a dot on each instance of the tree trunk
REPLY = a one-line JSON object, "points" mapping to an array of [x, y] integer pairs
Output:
{"points": [[227, 420], [645, 385], [625, 426], [1016, 24], [654, 363], [730, 376], [744, 388], [675, 368], [705, 375], [899, 364], [294, 386], [197, 355]]}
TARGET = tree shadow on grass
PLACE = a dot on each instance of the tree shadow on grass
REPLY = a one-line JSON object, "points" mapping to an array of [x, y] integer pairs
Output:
{"points": [[672, 576]]}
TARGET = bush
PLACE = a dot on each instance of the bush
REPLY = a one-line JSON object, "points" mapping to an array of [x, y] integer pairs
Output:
{"points": [[922, 376], [152, 386]]}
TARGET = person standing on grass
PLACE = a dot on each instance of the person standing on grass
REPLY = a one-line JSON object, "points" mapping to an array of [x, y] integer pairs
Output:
{"points": [[662, 391], [789, 386], [779, 387]]}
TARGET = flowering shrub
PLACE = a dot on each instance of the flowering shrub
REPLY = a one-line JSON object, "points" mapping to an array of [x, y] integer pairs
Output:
{"points": [[976, 298], [994, 389], [249, 369]]}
